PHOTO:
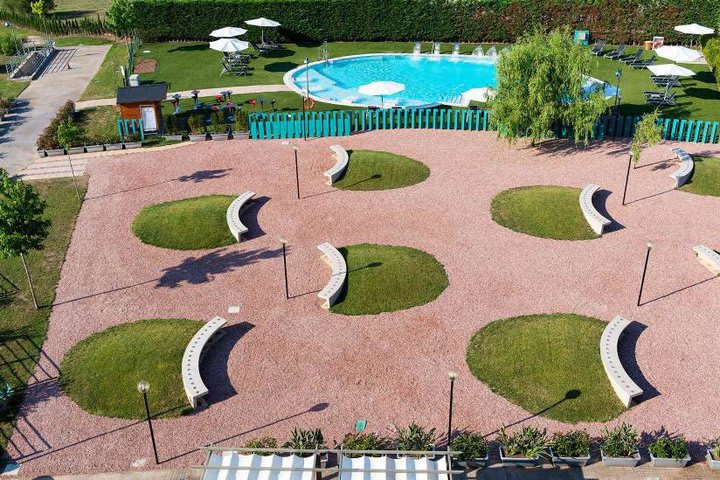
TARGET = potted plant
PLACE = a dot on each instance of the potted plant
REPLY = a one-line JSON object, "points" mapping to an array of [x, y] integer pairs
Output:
{"points": [[571, 448], [196, 124], [620, 446], [669, 452], [218, 128], [525, 448], [171, 132], [301, 439], [132, 140], [262, 442], [361, 441], [713, 454], [474, 450], [415, 438], [240, 125]]}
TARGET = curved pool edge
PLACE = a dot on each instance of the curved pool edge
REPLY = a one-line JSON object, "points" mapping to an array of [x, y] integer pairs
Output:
{"points": [[287, 78]]}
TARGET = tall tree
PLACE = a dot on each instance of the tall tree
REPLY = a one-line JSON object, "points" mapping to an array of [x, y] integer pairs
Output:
{"points": [[647, 133], [22, 226], [540, 85]]}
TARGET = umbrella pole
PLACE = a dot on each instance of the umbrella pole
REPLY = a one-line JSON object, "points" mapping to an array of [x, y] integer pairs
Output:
{"points": [[262, 36], [382, 102]]}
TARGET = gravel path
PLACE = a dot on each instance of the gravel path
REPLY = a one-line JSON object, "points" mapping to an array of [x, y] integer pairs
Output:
{"points": [[290, 363]]}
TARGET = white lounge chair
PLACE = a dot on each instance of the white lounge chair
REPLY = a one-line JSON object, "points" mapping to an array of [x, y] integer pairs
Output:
{"points": [[436, 48], [492, 52], [478, 52], [417, 48], [456, 49]]}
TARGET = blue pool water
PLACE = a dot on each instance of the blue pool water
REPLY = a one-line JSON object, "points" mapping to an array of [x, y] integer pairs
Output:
{"points": [[428, 79]]}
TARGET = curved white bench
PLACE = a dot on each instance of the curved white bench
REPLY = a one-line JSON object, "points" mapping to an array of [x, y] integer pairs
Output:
{"points": [[341, 163], [682, 175], [708, 258], [339, 274], [195, 389], [233, 215], [621, 382], [596, 221]]}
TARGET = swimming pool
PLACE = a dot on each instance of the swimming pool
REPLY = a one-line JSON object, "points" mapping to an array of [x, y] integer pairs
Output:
{"points": [[428, 79]]}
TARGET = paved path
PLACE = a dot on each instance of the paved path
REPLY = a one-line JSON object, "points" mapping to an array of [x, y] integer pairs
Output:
{"points": [[205, 92], [39, 102]]}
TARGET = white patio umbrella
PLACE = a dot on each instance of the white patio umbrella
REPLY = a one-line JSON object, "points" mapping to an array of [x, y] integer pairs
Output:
{"points": [[678, 54], [380, 89], [670, 69], [694, 29], [479, 94], [263, 23], [228, 32], [229, 45]]}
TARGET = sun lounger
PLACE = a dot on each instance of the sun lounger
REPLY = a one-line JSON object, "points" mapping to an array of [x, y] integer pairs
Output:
{"points": [[617, 53], [478, 52], [456, 49], [665, 81], [492, 52], [417, 48], [258, 48], [598, 48], [436, 48], [632, 58], [643, 63], [234, 69]]}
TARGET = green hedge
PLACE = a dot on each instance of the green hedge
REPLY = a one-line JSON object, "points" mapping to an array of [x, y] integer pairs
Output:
{"points": [[712, 55], [443, 20]]}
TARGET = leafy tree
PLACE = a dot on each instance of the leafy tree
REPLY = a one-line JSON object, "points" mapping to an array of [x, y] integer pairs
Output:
{"points": [[22, 226], [121, 17], [647, 133], [539, 85], [24, 6], [42, 7]]}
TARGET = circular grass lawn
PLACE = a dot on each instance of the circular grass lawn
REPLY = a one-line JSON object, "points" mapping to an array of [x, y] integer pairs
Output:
{"points": [[101, 372], [706, 177], [189, 224], [543, 211], [371, 170], [385, 278], [547, 364]]}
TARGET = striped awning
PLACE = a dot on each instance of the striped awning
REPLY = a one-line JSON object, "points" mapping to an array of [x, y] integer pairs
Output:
{"points": [[388, 468], [230, 465]]}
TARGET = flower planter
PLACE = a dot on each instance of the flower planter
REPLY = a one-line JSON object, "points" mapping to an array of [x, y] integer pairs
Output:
{"points": [[220, 136], [113, 146], [240, 135], [132, 145], [94, 148], [620, 461], [174, 138], [669, 462], [712, 462], [41, 153], [76, 150], [473, 464], [197, 138], [569, 461], [55, 152], [518, 461]]}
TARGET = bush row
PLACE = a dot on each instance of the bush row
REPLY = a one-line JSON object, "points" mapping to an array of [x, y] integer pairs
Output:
{"points": [[56, 26], [443, 20], [48, 138], [712, 55]]}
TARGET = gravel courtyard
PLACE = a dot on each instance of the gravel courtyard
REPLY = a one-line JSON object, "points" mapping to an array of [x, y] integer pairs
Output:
{"points": [[287, 363]]}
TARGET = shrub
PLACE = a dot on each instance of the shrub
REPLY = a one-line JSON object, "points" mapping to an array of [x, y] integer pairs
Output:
{"points": [[48, 138], [52, 24], [8, 45], [714, 447], [262, 442], [301, 439], [621, 441], [712, 55], [665, 446], [170, 124], [196, 123], [575, 443], [415, 437], [530, 442], [362, 441], [471, 444]]}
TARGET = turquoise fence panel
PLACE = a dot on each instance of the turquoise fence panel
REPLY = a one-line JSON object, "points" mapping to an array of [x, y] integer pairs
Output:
{"points": [[681, 131], [261, 130], [283, 130], [348, 124], [673, 129], [457, 114], [698, 127], [333, 124], [705, 131], [463, 118], [666, 128], [412, 118], [714, 130], [434, 124], [485, 120], [442, 119], [689, 131], [392, 120]]}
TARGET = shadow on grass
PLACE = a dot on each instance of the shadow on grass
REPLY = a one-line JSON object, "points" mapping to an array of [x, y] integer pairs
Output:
{"points": [[569, 395], [197, 47], [280, 66]]}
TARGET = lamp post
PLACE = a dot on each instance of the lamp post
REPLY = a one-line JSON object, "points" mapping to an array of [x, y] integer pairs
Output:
{"points": [[618, 74], [452, 376], [642, 282], [143, 387], [627, 177], [284, 252]]}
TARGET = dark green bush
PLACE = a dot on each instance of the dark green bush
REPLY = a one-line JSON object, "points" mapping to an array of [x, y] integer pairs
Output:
{"points": [[415, 437], [665, 446], [262, 442], [362, 441], [621, 441], [712, 55], [442, 20], [48, 138], [471, 444], [54, 25], [530, 442]]}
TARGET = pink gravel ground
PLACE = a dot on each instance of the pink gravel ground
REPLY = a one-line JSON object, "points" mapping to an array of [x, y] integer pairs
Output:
{"points": [[301, 366]]}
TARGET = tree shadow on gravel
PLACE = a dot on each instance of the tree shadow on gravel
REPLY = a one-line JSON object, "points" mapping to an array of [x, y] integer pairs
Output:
{"points": [[202, 269], [196, 177]]}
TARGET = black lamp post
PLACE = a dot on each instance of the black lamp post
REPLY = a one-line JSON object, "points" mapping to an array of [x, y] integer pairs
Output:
{"points": [[143, 388], [284, 252], [642, 282], [452, 376], [627, 177], [618, 74]]}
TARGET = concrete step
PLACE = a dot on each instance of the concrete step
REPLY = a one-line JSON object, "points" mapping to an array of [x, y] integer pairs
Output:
{"points": [[45, 163]]}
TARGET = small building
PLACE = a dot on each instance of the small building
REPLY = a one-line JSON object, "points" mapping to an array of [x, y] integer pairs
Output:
{"points": [[143, 103]]}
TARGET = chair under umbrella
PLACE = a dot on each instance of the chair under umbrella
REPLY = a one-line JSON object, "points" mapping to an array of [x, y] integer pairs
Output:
{"points": [[229, 45], [670, 70], [678, 54], [380, 89], [263, 23], [694, 29], [228, 32]]}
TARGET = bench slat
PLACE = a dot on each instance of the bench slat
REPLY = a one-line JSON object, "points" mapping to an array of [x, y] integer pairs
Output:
{"points": [[687, 165], [341, 163], [621, 382], [192, 381], [596, 221], [335, 284], [237, 228]]}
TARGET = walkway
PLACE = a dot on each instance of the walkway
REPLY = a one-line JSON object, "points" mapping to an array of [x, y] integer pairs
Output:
{"points": [[39, 102], [204, 92]]}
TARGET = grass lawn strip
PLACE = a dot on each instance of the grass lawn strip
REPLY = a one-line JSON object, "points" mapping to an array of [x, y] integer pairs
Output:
{"points": [[706, 177]]}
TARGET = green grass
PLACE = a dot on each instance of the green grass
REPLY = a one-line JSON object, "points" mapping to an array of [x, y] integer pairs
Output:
{"points": [[77, 40], [385, 278], [542, 211], [706, 177], [189, 224], [10, 89], [22, 328], [698, 98], [547, 364], [98, 124], [106, 82], [101, 372], [371, 170], [69, 9]]}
